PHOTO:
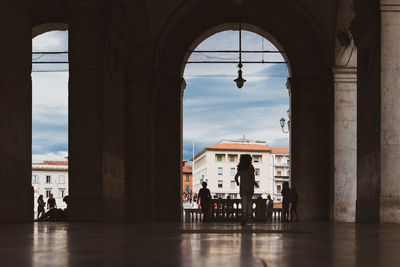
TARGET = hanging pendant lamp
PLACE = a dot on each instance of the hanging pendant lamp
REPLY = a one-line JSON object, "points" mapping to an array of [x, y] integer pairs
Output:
{"points": [[239, 80]]}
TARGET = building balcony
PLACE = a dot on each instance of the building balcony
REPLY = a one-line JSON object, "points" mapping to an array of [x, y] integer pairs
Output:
{"points": [[281, 177], [281, 164]]}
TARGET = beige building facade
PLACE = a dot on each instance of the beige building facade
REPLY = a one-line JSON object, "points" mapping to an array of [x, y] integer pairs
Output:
{"points": [[50, 177], [217, 165], [280, 161]]}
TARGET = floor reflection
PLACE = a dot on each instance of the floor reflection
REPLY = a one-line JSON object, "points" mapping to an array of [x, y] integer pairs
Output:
{"points": [[214, 244], [50, 245]]}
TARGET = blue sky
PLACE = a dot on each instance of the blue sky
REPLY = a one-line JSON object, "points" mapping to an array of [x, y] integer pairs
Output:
{"points": [[50, 100], [213, 107]]}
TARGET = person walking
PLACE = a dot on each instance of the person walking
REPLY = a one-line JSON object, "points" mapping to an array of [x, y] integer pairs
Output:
{"points": [[205, 201], [51, 202], [293, 207], [287, 199], [40, 208], [245, 171]]}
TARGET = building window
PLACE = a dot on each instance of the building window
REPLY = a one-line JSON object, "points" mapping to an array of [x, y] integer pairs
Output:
{"points": [[232, 158], [61, 193], [278, 173], [256, 158], [233, 183], [35, 179], [279, 188], [48, 192], [257, 171], [233, 171], [48, 179], [219, 158], [187, 178], [187, 188], [61, 179], [219, 183], [233, 196], [257, 185], [219, 170]]}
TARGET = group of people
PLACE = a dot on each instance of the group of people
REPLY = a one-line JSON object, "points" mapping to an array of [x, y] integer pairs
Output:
{"points": [[53, 213], [51, 204], [245, 173]]}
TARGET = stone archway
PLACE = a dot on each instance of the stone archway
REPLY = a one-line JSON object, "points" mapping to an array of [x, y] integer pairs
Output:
{"points": [[311, 91]]}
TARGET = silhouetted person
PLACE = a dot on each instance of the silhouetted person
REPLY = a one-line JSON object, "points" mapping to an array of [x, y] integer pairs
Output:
{"points": [[205, 201], [286, 193], [229, 207], [41, 205], [293, 207], [245, 171], [51, 202], [270, 207]]}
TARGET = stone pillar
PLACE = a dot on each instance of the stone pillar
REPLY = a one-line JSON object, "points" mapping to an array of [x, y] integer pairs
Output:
{"points": [[16, 193], [365, 28], [345, 144], [169, 159], [390, 111], [311, 146], [140, 169], [86, 41]]}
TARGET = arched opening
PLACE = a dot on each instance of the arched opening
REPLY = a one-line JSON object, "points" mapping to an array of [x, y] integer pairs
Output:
{"points": [[310, 88], [216, 115], [50, 71]]}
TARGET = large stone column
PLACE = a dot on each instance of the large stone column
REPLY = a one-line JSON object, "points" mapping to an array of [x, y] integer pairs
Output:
{"points": [[140, 168], [311, 146], [169, 149], [16, 193], [86, 39], [345, 144], [345, 119], [365, 28], [390, 111]]}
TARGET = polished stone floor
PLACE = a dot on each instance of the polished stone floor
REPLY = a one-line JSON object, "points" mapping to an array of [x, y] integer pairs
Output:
{"points": [[196, 244]]}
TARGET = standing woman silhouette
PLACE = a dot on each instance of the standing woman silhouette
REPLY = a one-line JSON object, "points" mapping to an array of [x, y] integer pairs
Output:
{"points": [[245, 171], [41, 205]]}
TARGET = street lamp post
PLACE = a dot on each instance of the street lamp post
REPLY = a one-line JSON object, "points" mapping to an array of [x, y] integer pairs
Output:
{"points": [[282, 122]]}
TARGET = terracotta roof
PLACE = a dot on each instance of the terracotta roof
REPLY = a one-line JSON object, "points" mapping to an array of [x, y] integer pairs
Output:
{"points": [[279, 150], [239, 147], [46, 162]]}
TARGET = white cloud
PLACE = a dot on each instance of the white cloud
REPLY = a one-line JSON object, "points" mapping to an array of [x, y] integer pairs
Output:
{"points": [[51, 41], [214, 109], [229, 40], [56, 156]]}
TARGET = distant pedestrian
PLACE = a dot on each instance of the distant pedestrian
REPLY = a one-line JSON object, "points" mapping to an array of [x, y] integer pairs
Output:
{"points": [[293, 206], [286, 193], [270, 207], [51, 202], [245, 171], [41, 205], [205, 201]]}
